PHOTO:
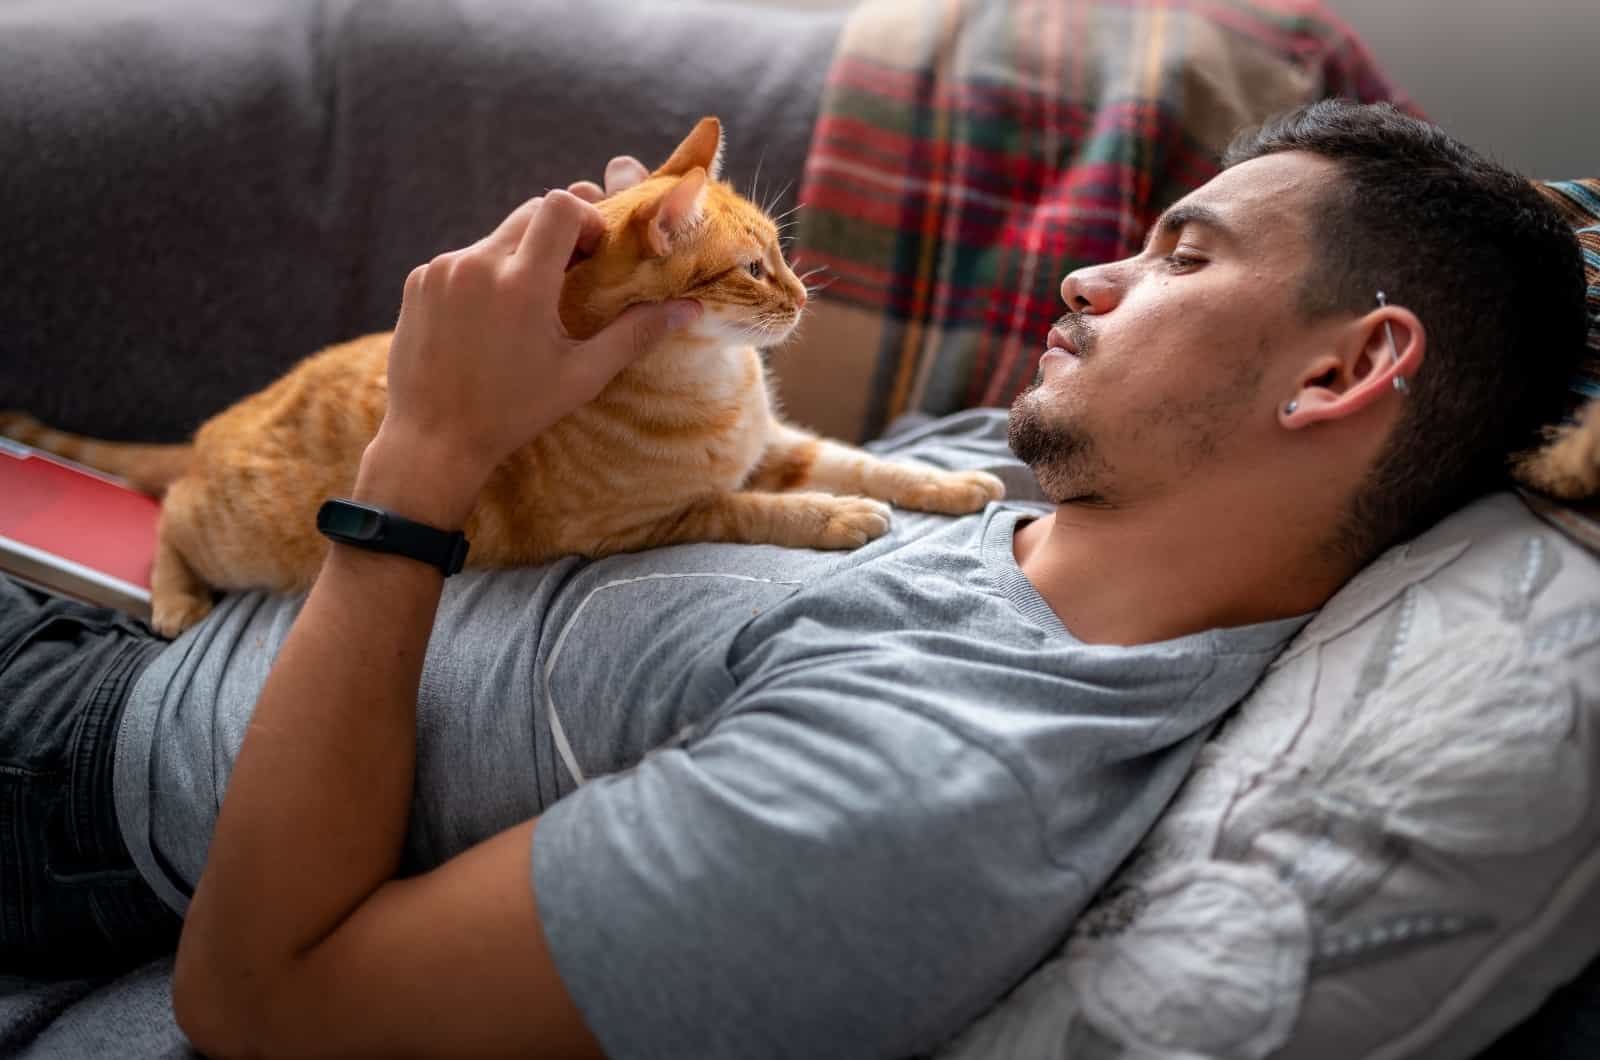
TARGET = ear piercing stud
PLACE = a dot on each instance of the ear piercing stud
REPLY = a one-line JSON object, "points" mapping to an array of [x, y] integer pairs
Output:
{"points": [[1288, 410], [1399, 380]]}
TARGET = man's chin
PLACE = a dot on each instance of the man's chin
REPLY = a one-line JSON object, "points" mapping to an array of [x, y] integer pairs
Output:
{"points": [[1032, 435], [1058, 455]]}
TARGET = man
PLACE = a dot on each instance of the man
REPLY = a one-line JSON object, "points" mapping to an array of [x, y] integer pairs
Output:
{"points": [[746, 801]]}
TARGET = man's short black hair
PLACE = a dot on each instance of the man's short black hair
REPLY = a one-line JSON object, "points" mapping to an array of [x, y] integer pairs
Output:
{"points": [[1489, 267]]}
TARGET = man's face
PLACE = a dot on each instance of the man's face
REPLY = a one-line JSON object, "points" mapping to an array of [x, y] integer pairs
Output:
{"points": [[1165, 367]]}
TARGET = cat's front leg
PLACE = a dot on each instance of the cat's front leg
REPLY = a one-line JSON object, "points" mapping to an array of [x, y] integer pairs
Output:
{"points": [[179, 597], [795, 520], [796, 459]]}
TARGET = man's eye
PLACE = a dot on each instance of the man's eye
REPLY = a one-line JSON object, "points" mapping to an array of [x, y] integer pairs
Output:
{"points": [[1182, 262], [757, 270]]}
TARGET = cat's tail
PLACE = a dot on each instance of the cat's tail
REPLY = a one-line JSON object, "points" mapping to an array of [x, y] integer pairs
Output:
{"points": [[148, 468]]}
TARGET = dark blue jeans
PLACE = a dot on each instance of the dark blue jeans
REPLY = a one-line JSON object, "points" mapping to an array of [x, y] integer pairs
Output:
{"points": [[71, 901]]}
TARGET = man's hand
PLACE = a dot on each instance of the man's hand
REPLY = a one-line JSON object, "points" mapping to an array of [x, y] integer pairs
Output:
{"points": [[480, 363]]}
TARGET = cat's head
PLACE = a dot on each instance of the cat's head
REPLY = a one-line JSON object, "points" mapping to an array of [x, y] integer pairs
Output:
{"points": [[683, 233]]}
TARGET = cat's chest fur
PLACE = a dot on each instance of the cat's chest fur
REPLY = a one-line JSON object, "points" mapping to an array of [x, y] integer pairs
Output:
{"points": [[679, 426], [739, 406], [702, 408]]}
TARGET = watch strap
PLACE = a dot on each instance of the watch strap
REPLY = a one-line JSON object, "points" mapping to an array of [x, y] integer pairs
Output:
{"points": [[380, 530]]}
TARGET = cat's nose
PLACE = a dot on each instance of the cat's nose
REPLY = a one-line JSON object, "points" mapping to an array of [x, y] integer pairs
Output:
{"points": [[800, 299]]}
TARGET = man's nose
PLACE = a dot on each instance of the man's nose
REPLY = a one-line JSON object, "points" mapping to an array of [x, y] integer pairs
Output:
{"points": [[1090, 290]]}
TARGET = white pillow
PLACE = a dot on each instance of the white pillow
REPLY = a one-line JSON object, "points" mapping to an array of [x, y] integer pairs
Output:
{"points": [[1391, 849]]}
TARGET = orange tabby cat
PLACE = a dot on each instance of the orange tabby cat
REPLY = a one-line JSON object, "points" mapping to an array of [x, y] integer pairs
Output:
{"points": [[683, 446]]}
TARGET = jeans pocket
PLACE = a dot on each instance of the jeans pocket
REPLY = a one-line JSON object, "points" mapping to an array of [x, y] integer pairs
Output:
{"points": [[76, 915]]}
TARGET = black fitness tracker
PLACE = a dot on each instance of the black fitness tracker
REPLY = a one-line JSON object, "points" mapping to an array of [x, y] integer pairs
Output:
{"points": [[367, 527]]}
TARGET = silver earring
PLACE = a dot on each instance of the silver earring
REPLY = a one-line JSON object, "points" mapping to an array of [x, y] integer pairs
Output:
{"points": [[1288, 410], [1394, 351]]}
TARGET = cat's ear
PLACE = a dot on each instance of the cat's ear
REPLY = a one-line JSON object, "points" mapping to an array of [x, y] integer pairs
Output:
{"points": [[665, 221], [702, 149]]}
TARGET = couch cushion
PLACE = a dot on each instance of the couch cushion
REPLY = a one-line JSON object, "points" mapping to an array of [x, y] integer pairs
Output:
{"points": [[1391, 849]]}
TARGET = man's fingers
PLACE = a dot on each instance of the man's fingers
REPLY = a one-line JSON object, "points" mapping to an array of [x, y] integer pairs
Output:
{"points": [[632, 335], [413, 285], [508, 236], [587, 190], [623, 172], [563, 223]]}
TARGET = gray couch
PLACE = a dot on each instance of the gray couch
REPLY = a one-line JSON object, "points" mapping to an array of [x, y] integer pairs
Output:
{"points": [[194, 195]]}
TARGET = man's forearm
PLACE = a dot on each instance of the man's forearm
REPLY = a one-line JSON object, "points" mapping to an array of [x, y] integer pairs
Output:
{"points": [[317, 805], [298, 937]]}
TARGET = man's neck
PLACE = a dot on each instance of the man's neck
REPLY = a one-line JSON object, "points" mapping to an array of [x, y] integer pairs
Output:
{"points": [[1136, 575]]}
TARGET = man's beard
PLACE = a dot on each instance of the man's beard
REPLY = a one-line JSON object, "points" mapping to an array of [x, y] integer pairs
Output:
{"points": [[1062, 459]]}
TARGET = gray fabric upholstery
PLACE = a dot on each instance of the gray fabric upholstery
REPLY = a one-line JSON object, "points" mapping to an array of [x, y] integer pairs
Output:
{"points": [[127, 1016], [195, 194]]}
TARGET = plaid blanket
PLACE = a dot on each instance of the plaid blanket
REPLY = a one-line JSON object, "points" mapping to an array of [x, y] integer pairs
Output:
{"points": [[1568, 467], [969, 153], [1579, 202]]}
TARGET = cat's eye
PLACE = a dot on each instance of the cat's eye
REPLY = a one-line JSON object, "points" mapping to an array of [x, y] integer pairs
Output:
{"points": [[757, 270]]}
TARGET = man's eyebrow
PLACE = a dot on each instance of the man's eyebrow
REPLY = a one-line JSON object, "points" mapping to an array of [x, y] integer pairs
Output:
{"points": [[1176, 218]]}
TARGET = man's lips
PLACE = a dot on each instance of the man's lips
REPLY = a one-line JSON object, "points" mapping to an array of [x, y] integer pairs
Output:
{"points": [[1061, 340]]}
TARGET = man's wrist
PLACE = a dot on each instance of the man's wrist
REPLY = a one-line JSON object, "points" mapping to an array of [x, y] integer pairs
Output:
{"points": [[419, 480]]}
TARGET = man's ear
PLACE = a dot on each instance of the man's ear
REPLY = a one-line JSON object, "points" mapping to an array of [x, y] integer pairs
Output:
{"points": [[1374, 351], [666, 220], [701, 149]]}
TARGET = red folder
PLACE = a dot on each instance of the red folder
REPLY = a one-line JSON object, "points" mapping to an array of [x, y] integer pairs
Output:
{"points": [[74, 530]]}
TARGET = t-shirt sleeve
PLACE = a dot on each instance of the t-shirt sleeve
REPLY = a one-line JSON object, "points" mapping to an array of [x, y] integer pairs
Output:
{"points": [[816, 875]]}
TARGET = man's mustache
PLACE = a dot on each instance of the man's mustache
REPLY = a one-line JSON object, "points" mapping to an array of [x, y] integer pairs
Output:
{"points": [[1077, 331]]}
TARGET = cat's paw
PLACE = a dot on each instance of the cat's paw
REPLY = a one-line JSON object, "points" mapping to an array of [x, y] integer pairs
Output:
{"points": [[852, 522], [951, 492], [172, 613]]}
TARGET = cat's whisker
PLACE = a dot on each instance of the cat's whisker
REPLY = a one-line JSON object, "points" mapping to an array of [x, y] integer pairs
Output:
{"points": [[773, 200], [784, 191], [755, 182], [795, 333]]}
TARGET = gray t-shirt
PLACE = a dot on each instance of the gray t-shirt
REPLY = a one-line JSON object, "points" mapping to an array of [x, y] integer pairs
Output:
{"points": [[795, 803]]}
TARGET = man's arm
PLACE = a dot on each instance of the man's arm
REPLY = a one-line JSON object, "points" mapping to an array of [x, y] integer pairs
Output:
{"points": [[299, 939]]}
